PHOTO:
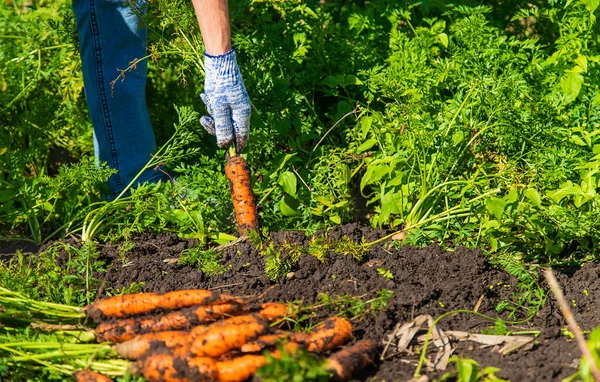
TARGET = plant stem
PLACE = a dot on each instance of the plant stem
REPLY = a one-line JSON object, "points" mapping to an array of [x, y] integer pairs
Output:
{"points": [[571, 323]]}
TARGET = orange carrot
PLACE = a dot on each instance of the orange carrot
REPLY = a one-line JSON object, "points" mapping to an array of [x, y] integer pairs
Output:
{"points": [[142, 303], [237, 173], [330, 334], [185, 298], [164, 367], [218, 338], [141, 344], [121, 306], [90, 376], [125, 329], [241, 368], [347, 361], [269, 340], [273, 311]]}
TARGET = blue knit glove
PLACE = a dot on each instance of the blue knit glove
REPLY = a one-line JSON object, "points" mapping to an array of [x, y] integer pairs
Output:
{"points": [[226, 100]]}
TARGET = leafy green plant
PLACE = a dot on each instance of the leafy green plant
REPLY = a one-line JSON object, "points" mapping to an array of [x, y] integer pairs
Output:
{"points": [[299, 366], [208, 261], [468, 370], [355, 307]]}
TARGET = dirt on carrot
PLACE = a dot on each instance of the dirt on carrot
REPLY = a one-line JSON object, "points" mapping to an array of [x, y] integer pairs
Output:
{"points": [[144, 303], [330, 334], [344, 363], [165, 367], [183, 319], [142, 344], [221, 337], [237, 172], [90, 376]]}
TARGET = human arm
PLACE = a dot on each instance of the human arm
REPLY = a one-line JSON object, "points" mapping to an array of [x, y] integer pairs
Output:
{"points": [[224, 95], [213, 19]]}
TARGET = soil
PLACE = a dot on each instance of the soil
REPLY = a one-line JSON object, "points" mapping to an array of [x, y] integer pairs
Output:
{"points": [[429, 281]]}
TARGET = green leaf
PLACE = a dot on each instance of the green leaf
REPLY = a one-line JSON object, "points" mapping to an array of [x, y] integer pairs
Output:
{"points": [[495, 206], [458, 137], [289, 206], [581, 62], [442, 39], [571, 83], [288, 181], [533, 196], [331, 81], [591, 5], [365, 125], [351, 79], [222, 238], [366, 145]]}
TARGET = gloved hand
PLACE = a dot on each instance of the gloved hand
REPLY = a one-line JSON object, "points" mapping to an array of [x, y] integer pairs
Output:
{"points": [[226, 100]]}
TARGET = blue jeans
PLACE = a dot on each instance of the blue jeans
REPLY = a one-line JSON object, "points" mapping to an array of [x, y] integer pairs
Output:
{"points": [[109, 40]]}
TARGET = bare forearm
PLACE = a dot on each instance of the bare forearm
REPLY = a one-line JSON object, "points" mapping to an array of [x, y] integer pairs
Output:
{"points": [[213, 18]]}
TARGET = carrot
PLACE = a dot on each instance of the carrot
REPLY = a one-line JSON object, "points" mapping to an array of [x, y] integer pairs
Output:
{"points": [[164, 367], [268, 340], [347, 361], [220, 337], [273, 311], [90, 376], [330, 334], [237, 173], [140, 345], [241, 368], [120, 306], [126, 329], [142, 303]]}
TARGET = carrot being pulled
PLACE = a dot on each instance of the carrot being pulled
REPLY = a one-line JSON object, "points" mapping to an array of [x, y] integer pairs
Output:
{"points": [[330, 334], [90, 376], [347, 361], [126, 329], [237, 172], [219, 338], [143, 303]]}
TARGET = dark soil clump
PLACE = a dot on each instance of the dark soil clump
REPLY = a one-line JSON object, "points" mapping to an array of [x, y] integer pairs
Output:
{"points": [[426, 280]]}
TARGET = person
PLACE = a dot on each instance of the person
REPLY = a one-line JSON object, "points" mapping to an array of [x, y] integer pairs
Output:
{"points": [[110, 38]]}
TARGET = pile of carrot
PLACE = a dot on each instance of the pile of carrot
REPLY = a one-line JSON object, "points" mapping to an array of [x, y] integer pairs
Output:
{"points": [[199, 335]]}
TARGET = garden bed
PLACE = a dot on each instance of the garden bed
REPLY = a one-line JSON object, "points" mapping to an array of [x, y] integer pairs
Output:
{"points": [[425, 281]]}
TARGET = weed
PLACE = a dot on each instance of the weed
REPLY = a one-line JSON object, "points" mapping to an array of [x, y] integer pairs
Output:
{"points": [[355, 307], [134, 287], [468, 370], [385, 273], [299, 366], [318, 247], [345, 246], [280, 259], [208, 261]]}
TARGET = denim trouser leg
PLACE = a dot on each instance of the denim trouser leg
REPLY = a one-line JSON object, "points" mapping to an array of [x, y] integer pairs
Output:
{"points": [[109, 40]]}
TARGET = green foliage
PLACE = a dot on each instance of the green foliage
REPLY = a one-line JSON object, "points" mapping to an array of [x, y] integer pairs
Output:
{"points": [[207, 261], [298, 367], [468, 370], [356, 307], [60, 274]]}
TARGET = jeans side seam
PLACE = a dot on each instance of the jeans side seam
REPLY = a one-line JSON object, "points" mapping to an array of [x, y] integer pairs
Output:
{"points": [[102, 92]]}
